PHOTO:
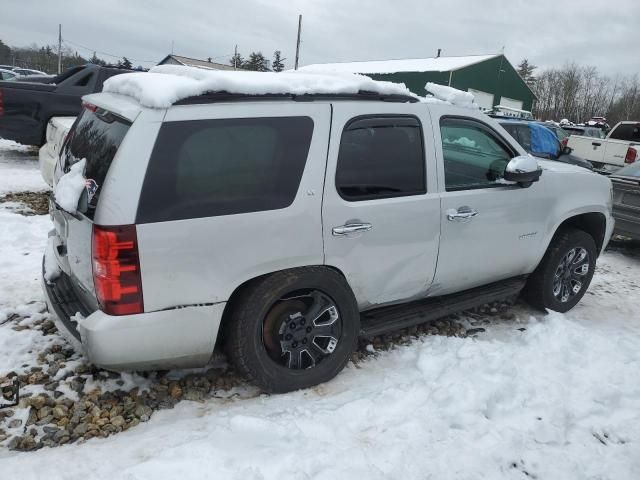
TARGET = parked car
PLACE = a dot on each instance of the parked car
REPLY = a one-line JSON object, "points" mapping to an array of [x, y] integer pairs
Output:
{"points": [[618, 149], [593, 132], [626, 201], [540, 141], [24, 72], [57, 130], [7, 75], [289, 225], [27, 107]]}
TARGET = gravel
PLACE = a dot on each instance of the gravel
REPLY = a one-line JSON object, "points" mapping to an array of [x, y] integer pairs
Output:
{"points": [[76, 401]]}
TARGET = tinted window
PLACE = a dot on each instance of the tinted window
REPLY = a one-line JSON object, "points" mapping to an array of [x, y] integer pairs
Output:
{"points": [[84, 81], [95, 136], [474, 156], [627, 131], [205, 168], [381, 157]]}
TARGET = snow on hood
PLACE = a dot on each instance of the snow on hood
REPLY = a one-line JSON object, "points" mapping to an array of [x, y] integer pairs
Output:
{"points": [[166, 84], [450, 95]]}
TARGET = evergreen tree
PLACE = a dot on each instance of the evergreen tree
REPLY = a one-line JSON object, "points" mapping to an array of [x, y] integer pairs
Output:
{"points": [[256, 62], [125, 63], [525, 69], [96, 60], [278, 64], [236, 60]]}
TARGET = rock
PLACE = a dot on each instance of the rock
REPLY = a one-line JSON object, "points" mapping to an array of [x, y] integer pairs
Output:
{"points": [[117, 421], [50, 430], [45, 420], [63, 422], [15, 423], [134, 423], [51, 386], [37, 402], [474, 331], [81, 429], [194, 395], [44, 412], [175, 391], [143, 411], [60, 411]]}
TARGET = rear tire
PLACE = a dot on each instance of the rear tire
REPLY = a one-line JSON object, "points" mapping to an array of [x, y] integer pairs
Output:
{"points": [[273, 315], [565, 272]]}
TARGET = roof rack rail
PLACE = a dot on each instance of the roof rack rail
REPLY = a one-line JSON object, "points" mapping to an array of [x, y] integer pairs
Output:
{"points": [[214, 97]]}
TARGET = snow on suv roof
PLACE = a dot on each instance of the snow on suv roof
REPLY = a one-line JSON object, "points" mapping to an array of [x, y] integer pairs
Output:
{"points": [[165, 85], [434, 64]]}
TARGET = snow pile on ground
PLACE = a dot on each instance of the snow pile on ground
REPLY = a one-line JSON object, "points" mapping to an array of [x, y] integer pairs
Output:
{"points": [[70, 187], [166, 84], [19, 168], [11, 145], [451, 95]]}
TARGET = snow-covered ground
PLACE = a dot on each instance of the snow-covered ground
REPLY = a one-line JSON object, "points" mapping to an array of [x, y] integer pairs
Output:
{"points": [[543, 396]]}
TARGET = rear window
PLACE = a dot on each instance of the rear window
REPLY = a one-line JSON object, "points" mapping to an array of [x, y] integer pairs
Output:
{"points": [[206, 168], [95, 136], [629, 132]]}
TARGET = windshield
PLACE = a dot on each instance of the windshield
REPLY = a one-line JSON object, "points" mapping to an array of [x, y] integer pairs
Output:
{"points": [[630, 171], [96, 136]]}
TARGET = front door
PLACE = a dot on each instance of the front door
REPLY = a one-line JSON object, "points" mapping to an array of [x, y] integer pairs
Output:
{"points": [[490, 230], [381, 207]]}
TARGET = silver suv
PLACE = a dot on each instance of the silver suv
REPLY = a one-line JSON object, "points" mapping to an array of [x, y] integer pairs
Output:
{"points": [[286, 226]]}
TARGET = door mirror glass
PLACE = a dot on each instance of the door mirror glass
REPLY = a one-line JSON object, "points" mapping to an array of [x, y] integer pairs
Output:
{"points": [[523, 169], [567, 150]]}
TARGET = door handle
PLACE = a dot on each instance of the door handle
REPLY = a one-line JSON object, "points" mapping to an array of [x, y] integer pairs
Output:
{"points": [[596, 144], [461, 214], [351, 228]]}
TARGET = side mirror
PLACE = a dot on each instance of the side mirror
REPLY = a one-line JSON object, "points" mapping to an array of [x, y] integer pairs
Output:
{"points": [[566, 150], [523, 170]]}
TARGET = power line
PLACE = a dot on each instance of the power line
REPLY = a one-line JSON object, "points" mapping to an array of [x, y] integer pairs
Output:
{"points": [[89, 49]]}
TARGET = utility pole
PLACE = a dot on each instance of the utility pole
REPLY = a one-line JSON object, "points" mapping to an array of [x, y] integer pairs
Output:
{"points": [[298, 42], [235, 58], [59, 48]]}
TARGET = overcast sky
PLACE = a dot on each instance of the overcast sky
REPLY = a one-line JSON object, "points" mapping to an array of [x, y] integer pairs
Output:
{"points": [[547, 32]]}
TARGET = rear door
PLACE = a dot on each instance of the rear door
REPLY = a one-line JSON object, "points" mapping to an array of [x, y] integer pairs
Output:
{"points": [[95, 138], [381, 210]]}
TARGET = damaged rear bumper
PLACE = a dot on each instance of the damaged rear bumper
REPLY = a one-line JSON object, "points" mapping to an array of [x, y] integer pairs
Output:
{"points": [[175, 338]]}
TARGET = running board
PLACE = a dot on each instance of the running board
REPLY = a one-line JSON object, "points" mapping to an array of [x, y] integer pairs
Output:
{"points": [[395, 317]]}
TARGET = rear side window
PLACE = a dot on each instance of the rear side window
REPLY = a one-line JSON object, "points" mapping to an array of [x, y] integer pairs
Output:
{"points": [[381, 157], [206, 168], [629, 132], [96, 136]]}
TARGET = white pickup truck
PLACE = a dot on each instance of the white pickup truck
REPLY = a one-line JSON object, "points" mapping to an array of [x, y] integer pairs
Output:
{"points": [[57, 130], [618, 149]]}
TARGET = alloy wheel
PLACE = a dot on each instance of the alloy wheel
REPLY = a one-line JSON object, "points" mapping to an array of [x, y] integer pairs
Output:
{"points": [[571, 273], [302, 329]]}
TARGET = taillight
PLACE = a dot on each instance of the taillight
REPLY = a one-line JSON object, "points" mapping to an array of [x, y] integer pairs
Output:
{"points": [[116, 269], [89, 106], [631, 155]]}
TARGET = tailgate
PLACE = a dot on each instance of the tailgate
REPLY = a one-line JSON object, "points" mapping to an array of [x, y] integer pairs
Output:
{"points": [[95, 137]]}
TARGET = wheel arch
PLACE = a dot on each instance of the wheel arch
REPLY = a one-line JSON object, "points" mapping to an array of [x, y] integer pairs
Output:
{"points": [[237, 292], [593, 223]]}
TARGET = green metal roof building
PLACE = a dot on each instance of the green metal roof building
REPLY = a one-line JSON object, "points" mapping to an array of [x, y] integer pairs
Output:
{"points": [[491, 78]]}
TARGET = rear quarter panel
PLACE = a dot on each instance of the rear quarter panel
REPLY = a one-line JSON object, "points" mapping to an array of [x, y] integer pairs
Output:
{"points": [[204, 260]]}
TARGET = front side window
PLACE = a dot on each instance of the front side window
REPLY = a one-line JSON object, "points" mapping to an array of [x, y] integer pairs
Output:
{"points": [[474, 156], [381, 157], [206, 168]]}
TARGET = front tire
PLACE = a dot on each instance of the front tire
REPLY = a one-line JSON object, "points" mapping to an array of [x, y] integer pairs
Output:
{"points": [[293, 329], [565, 272]]}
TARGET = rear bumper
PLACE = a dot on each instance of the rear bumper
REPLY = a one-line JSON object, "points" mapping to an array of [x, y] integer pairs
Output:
{"points": [[178, 338]]}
